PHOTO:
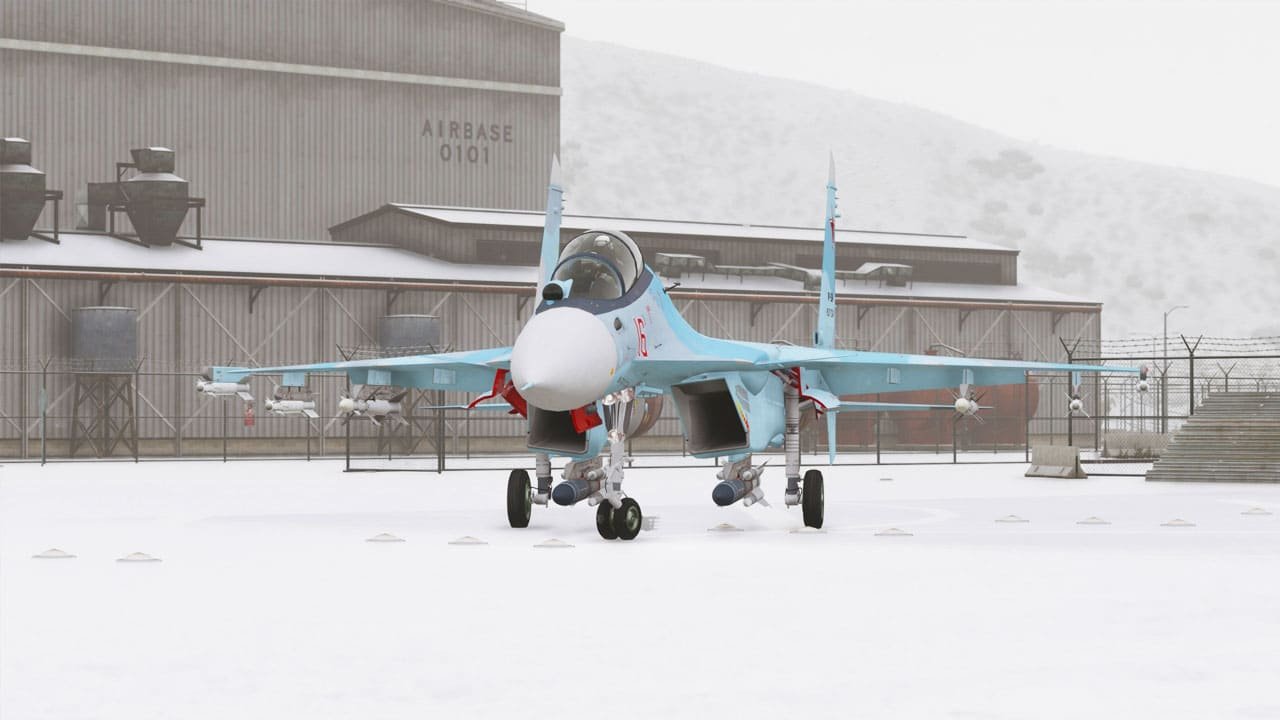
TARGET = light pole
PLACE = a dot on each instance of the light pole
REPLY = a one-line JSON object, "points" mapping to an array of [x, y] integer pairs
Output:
{"points": [[1164, 376]]}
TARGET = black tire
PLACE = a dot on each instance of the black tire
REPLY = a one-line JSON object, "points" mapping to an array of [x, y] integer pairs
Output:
{"points": [[604, 521], [519, 499], [813, 499], [628, 519]]}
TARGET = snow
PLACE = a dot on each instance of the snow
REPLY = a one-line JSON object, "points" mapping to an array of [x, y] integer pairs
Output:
{"points": [[333, 260], [252, 257], [652, 135], [1020, 293], [270, 604], [530, 219]]}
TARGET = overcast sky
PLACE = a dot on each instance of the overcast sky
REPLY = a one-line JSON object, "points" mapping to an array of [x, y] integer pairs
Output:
{"points": [[1191, 83]]}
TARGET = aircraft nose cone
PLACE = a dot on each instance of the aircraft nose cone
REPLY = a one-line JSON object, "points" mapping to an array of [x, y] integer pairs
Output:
{"points": [[563, 359], [346, 405]]}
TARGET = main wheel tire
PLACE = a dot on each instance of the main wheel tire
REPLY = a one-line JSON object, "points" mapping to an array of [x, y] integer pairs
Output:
{"points": [[519, 499], [604, 521], [628, 519], [813, 499]]}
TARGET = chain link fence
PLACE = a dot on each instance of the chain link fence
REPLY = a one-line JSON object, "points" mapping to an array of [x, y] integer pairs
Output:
{"points": [[62, 410]]}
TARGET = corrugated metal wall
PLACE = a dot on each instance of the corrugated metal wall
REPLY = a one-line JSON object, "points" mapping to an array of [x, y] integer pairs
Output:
{"points": [[286, 155], [422, 37]]}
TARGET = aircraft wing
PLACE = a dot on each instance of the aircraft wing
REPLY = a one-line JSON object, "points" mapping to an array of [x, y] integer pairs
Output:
{"points": [[469, 371], [849, 372], [857, 373]]}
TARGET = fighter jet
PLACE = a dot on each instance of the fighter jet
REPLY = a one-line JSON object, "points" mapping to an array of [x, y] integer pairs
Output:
{"points": [[606, 344]]}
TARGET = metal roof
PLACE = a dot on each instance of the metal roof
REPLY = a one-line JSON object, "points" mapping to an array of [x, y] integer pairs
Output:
{"points": [[694, 280], [309, 260], [509, 11], [534, 220], [260, 258]]}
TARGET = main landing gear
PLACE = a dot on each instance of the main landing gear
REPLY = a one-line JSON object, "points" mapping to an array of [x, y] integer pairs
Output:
{"points": [[808, 493], [520, 493], [813, 499], [519, 499]]}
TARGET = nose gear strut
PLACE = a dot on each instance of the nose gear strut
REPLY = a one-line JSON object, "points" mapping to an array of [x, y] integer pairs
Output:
{"points": [[624, 516], [599, 482]]}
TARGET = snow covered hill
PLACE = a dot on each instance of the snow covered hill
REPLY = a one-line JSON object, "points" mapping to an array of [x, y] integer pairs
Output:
{"points": [[653, 135]]}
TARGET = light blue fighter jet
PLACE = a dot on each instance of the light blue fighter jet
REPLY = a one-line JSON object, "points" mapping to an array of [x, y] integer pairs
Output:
{"points": [[606, 344]]}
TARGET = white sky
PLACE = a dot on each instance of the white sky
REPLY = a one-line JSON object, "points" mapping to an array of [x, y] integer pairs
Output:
{"points": [[1190, 83]]}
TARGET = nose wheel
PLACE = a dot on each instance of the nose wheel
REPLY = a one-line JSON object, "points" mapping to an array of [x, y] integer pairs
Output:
{"points": [[604, 521], [622, 523]]}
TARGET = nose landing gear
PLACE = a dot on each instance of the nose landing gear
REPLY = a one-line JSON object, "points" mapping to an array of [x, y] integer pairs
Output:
{"points": [[618, 517], [595, 480]]}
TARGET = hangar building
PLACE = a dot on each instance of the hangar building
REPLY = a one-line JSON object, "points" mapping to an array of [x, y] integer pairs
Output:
{"points": [[291, 115], [313, 151]]}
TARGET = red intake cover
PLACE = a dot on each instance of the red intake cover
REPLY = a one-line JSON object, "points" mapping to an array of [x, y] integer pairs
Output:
{"points": [[504, 388], [585, 418]]}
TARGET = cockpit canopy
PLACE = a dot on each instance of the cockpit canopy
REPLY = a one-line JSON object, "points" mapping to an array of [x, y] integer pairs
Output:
{"points": [[601, 265]]}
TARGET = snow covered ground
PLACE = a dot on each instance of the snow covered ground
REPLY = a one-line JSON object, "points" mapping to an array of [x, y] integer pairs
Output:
{"points": [[268, 602]]}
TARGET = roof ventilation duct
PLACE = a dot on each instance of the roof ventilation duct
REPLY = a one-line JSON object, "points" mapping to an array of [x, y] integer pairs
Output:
{"points": [[22, 192], [155, 200]]}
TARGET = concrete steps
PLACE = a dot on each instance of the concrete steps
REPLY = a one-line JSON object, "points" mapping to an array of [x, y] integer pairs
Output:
{"points": [[1233, 437]]}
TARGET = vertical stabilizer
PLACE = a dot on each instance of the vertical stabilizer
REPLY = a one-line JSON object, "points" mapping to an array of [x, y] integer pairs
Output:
{"points": [[825, 334], [551, 226]]}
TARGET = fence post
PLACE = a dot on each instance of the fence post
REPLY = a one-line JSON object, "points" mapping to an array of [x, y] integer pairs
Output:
{"points": [[137, 369], [44, 410], [1191, 371], [224, 429], [1099, 397], [954, 455], [440, 434], [830, 440], [1026, 417], [1071, 426]]}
